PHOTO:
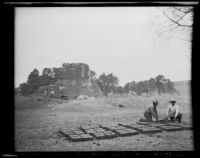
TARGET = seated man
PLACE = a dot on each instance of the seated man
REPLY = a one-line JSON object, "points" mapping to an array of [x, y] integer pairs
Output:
{"points": [[173, 111], [151, 112]]}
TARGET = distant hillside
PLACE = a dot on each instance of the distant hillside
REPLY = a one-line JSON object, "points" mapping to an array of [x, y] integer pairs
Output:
{"points": [[182, 86]]}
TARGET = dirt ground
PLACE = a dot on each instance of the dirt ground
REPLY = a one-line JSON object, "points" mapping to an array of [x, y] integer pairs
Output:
{"points": [[37, 129]]}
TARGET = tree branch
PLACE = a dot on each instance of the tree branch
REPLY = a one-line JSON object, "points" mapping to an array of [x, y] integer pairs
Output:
{"points": [[174, 37], [179, 9], [174, 21], [170, 29], [186, 12]]}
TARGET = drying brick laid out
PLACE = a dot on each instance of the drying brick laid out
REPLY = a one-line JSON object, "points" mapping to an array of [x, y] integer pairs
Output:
{"points": [[99, 135], [154, 124], [170, 128], [157, 124], [110, 134], [183, 125], [67, 131], [104, 135], [142, 128], [125, 132], [81, 137], [145, 123], [148, 130], [89, 132], [93, 130], [86, 137], [134, 126], [186, 126], [74, 137], [113, 127], [78, 132], [99, 129]]}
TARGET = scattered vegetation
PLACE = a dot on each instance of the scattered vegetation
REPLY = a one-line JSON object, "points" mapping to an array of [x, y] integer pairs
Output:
{"points": [[108, 83]]}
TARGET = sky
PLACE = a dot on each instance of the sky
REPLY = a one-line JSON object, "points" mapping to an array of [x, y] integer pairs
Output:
{"points": [[119, 40]]}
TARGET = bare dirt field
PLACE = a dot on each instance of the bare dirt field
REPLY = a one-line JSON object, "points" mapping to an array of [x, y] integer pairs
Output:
{"points": [[36, 129]]}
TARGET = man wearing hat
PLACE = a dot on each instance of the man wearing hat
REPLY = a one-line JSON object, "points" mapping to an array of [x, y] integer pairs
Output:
{"points": [[151, 112], [173, 111]]}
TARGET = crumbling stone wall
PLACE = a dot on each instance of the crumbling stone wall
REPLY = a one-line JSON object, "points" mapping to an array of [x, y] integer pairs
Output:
{"points": [[75, 71], [77, 80]]}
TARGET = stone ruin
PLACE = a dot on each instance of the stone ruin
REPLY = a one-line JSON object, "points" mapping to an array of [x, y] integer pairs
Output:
{"points": [[77, 79]]}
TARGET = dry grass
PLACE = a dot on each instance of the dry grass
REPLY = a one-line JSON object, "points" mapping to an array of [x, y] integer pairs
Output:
{"points": [[36, 129]]}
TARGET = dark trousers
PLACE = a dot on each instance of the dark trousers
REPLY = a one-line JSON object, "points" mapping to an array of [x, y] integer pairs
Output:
{"points": [[178, 117], [148, 116]]}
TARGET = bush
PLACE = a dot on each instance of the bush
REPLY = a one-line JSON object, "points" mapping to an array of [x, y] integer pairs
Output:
{"points": [[26, 89]]}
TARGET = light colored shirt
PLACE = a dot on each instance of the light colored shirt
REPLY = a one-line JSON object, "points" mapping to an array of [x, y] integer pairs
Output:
{"points": [[173, 109], [52, 92], [61, 88]]}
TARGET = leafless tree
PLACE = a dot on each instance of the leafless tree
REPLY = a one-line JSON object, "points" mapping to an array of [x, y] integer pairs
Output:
{"points": [[181, 21]]}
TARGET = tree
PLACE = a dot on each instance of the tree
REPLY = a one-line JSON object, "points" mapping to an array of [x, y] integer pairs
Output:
{"points": [[33, 76], [47, 71], [57, 72], [142, 87], [160, 83], [46, 80], [119, 89], [26, 89], [47, 77], [93, 74], [152, 84], [130, 86], [181, 20], [33, 79], [107, 83], [170, 86]]}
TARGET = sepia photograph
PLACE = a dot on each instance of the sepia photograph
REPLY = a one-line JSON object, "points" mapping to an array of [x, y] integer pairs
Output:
{"points": [[103, 78]]}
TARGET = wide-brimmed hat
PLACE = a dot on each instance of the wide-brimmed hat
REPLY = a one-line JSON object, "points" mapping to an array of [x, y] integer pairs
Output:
{"points": [[155, 101], [172, 100]]}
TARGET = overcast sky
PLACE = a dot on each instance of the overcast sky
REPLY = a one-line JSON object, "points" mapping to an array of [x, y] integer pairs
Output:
{"points": [[119, 40]]}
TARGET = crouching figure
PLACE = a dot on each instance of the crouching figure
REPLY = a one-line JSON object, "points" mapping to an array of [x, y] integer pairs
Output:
{"points": [[151, 112], [173, 113]]}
